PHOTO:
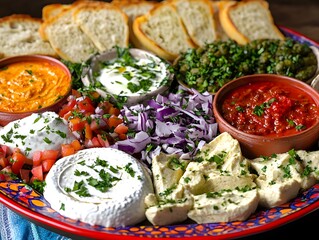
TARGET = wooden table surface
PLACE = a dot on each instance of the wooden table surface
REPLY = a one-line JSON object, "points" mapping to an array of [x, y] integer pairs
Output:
{"points": [[299, 15]]}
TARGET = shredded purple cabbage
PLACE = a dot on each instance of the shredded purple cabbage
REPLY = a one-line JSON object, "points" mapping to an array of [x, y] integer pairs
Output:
{"points": [[174, 124]]}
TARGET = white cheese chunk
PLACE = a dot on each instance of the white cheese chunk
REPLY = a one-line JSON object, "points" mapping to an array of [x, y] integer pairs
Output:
{"points": [[310, 162], [102, 186], [39, 131], [281, 175], [224, 206], [167, 170], [169, 212], [224, 154], [277, 193], [200, 178]]}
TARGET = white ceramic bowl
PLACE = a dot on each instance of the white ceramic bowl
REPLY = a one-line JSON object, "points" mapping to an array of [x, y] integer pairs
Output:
{"points": [[95, 66]]}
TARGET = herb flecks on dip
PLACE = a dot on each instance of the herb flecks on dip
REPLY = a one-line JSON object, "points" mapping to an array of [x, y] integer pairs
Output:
{"points": [[130, 76], [267, 108], [31, 85]]}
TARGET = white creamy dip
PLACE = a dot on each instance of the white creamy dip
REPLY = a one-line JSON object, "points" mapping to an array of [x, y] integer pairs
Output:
{"points": [[123, 79], [39, 131], [102, 186]]}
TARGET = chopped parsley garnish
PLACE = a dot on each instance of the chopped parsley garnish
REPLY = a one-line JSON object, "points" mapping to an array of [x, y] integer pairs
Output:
{"points": [[37, 119], [81, 163], [60, 133], [105, 184], [239, 109], [174, 163], [38, 185], [129, 169], [47, 140], [30, 72], [213, 194], [259, 109], [7, 137], [300, 127], [167, 192], [80, 189], [62, 207], [286, 170], [218, 159], [187, 179], [80, 173]]}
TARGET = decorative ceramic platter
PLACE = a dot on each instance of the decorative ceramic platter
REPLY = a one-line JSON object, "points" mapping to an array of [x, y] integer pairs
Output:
{"points": [[28, 203]]}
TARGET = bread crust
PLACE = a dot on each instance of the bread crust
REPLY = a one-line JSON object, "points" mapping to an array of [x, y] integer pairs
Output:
{"points": [[52, 10], [29, 37], [57, 46], [230, 27], [148, 43], [191, 29], [20, 17], [125, 6], [95, 7]]}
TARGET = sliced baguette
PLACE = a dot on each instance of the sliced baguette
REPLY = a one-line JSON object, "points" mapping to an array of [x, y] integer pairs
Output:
{"points": [[67, 39], [51, 10], [221, 34], [161, 31], [106, 25], [248, 20], [134, 10], [19, 35], [198, 19]]}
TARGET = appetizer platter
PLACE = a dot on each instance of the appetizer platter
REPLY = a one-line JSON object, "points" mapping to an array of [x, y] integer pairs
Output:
{"points": [[125, 120]]}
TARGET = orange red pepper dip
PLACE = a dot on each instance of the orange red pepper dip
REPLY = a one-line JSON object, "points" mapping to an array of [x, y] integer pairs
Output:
{"points": [[31, 85]]}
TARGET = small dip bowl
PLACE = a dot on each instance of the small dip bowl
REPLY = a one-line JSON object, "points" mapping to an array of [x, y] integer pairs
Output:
{"points": [[131, 74], [32, 84], [249, 119]]}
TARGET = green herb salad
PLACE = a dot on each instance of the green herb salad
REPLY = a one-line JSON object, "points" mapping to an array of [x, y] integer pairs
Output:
{"points": [[210, 67]]}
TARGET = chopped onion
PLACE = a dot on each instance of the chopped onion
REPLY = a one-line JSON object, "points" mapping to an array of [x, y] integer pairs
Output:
{"points": [[174, 124]]}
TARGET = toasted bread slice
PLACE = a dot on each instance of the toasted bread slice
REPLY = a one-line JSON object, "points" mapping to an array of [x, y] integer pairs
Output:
{"points": [[133, 10], [161, 31], [66, 37], [106, 25], [51, 10], [221, 34], [54, 9], [198, 19], [19, 35], [248, 20]]}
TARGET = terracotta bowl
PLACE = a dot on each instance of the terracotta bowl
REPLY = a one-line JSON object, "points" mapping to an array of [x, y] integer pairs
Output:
{"points": [[257, 145], [6, 117]]}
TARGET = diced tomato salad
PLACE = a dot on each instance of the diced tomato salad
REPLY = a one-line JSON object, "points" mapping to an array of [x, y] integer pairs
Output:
{"points": [[15, 164], [94, 124]]}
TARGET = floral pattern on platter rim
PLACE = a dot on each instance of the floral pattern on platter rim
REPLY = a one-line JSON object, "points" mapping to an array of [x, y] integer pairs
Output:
{"points": [[32, 205]]}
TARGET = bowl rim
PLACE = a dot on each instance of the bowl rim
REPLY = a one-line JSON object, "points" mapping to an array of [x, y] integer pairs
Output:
{"points": [[40, 58], [310, 91], [87, 76]]}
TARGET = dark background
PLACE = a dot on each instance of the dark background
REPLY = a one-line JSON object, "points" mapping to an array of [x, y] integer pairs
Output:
{"points": [[299, 15]]}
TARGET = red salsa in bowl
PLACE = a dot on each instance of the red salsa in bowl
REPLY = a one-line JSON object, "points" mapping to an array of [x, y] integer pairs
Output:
{"points": [[269, 108], [268, 114]]}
